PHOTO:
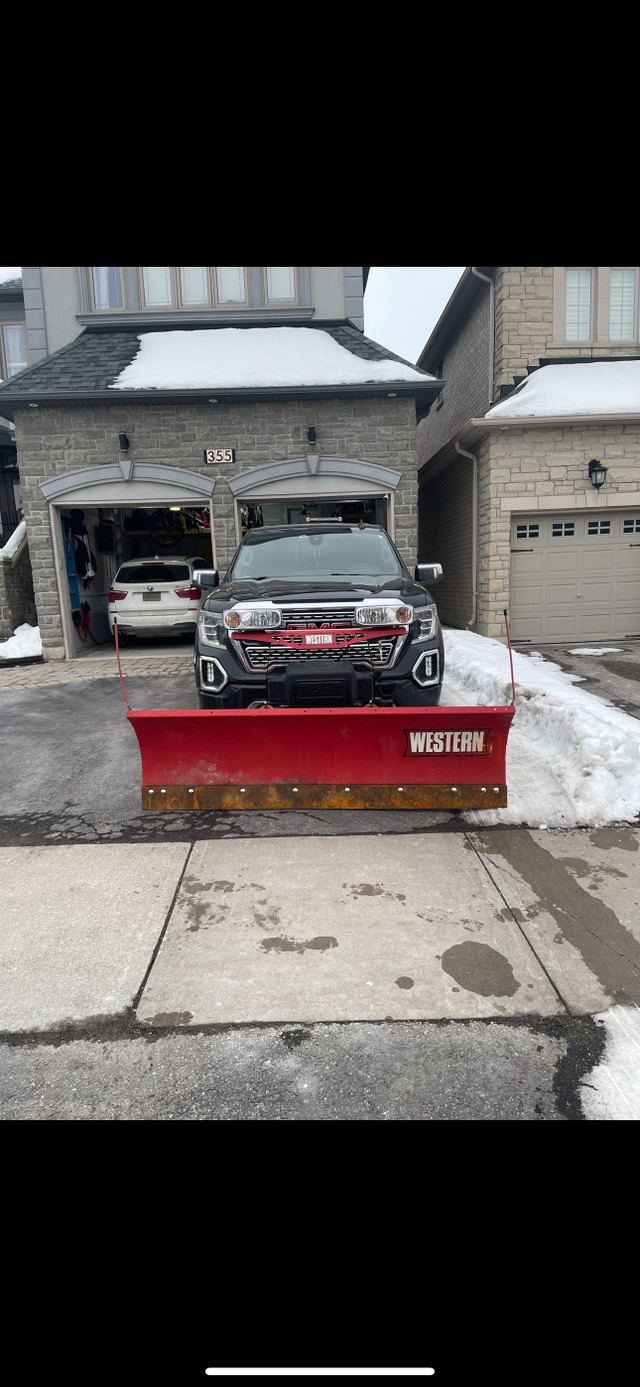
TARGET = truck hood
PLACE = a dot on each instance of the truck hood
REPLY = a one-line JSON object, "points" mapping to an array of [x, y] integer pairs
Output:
{"points": [[327, 590]]}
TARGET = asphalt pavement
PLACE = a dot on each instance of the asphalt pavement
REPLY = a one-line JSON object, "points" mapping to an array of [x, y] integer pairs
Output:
{"points": [[337, 965]]}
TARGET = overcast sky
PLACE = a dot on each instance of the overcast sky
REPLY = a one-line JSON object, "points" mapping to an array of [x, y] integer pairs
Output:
{"points": [[402, 304]]}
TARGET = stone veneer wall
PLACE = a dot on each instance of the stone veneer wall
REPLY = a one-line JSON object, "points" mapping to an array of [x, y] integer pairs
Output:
{"points": [[55, 439], [524, 470], [17, 602]]}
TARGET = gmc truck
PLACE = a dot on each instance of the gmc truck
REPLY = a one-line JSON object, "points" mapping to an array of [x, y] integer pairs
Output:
{"points": [[316, 616]]}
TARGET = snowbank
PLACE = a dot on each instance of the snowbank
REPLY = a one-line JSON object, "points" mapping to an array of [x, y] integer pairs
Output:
{"points": [[23, 644], [572, 758]]}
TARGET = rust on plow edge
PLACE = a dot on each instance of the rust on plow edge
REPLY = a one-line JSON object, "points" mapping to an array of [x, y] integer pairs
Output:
{"points": [[173, 797]]}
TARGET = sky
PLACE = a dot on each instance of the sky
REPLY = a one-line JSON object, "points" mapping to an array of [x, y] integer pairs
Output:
{"points": [[402, 304]]}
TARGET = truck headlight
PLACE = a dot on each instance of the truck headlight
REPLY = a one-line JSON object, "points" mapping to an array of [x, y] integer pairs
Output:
{"points": [[210, 629], [383, 616], [252, 618], [427, 619]]}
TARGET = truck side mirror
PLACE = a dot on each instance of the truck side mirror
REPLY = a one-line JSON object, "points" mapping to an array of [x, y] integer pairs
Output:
{"points": [[428, 573], [206, 577]]}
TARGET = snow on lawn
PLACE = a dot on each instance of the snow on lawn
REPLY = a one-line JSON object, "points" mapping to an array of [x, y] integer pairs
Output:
{"points": [[235, 357], [24, 643], [573, 760]]}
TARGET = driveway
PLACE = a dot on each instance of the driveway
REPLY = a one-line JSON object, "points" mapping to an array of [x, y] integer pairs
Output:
{"points": [[614, 674]]}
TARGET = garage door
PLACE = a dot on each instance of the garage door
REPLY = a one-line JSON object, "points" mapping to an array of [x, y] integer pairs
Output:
{"points": [[575, 577]]}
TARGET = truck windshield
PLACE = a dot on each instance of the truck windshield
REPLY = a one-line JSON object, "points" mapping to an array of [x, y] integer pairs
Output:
{"points": [[316, 553]]}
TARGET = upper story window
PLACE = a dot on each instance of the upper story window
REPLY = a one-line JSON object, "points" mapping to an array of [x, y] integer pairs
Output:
{"points": [[281, 285], [622, 305], [192, 286], [578, 297], [13, 349], [106, 286]]}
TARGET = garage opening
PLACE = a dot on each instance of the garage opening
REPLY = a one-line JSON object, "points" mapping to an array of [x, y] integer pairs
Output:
{"points": [[97, 540], [297, 510]]}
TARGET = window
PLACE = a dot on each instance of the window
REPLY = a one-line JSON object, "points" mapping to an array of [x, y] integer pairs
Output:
{"points": [[632, 526], [527, 531], [106, 286], [13, 353], [281, 284], [563, 528], [578, 305], [598, 527], [622, 305], [193, 286]]}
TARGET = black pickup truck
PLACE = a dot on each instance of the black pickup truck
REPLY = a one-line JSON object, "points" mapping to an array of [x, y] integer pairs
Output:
{"points": [[319, 615]]}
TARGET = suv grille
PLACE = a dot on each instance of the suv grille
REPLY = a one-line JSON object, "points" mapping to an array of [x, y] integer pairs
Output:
{"points": [[319, 616]]}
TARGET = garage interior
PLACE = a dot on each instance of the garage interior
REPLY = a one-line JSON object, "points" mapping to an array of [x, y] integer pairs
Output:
{"points": [[97, 540]]}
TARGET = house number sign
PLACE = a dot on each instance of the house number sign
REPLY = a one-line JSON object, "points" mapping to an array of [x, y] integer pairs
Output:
{"points": [[219, 455]]}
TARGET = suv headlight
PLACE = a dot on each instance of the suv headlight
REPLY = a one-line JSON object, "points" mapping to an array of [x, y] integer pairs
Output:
{"points": [[386, 615], [210, 629], [427, 623], [252, 618]]}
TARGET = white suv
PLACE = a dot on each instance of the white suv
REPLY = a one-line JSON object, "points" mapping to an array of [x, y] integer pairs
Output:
{"points": [[156, 597]]}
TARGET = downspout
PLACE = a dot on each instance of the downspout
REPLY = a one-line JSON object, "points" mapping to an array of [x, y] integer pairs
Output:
{"points": [[474, 530], [492, 326]]}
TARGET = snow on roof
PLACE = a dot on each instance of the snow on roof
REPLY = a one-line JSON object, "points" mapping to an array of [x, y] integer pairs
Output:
{"points": [[14, 541], [590, 387], [228, 358]]}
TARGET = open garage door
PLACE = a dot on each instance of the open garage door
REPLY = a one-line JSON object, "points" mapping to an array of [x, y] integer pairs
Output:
{"points": [[575, 576], [315, 488], [103, 517]]}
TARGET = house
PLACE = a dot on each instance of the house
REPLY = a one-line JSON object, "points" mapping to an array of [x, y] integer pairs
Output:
{"points": [[13, 358], [529, 460], [168, 409]]}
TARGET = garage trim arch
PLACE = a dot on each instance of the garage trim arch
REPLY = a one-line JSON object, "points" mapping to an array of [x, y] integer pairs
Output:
{"points": [[315, 477], [119, 484]]}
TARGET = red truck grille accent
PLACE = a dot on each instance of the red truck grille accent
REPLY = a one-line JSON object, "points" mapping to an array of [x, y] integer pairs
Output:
{"points": [[259, 657]]}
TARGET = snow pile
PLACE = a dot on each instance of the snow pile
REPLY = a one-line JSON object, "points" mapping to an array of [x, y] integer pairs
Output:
{"points": [[597, 650], [572, 758], [600, 387], [14, 541], [611, 1091], [227, 358], [23, 644]]}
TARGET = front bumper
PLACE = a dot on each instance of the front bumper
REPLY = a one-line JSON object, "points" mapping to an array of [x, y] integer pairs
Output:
{"points": [[414, 678]]}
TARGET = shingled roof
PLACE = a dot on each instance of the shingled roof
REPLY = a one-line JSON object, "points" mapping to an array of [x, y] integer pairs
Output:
{"points": [[86, 369]]}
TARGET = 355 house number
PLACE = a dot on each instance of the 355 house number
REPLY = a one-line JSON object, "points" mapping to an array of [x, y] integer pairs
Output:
{"points": [[219, 455]]}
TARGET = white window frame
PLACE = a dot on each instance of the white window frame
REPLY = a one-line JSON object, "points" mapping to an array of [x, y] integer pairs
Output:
{"points": [[625, 269], [177, 300], [269, 303], [4, 364], [580, 270], [117, 308]]}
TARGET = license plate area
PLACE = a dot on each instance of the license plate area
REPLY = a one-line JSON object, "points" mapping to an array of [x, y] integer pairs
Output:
{"points": [[151, 596]]}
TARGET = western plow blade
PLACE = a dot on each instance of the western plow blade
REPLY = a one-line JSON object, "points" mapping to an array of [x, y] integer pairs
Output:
{"points": [[327, 758]]}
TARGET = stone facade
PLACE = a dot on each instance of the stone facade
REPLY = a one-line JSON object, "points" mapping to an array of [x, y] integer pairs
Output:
{"points": [[524, 470], [54, 440], [17, 601]]}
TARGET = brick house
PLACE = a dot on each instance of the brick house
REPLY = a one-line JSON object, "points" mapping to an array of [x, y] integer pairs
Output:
{"points": [[266, 403], [507, 500]]}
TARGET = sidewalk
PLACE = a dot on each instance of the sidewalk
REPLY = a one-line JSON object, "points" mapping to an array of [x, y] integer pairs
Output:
{"points": [[512, 923]]}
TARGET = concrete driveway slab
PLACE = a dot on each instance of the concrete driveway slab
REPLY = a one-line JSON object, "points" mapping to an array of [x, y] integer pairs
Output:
{"points": [[78, 926], [337, 929], [576, 896]]}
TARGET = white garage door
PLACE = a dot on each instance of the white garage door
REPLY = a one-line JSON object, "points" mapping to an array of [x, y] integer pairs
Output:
{"points": [[575, 576]]}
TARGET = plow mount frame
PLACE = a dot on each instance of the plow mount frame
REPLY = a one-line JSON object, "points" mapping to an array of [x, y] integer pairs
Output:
{"points": [[323, 758]]}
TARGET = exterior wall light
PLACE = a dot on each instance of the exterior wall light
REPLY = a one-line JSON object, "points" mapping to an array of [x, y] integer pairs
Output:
{"points": [[597, 473]]}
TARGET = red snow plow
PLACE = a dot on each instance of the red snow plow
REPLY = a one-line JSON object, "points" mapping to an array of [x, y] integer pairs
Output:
{"points": [[324, 758]]}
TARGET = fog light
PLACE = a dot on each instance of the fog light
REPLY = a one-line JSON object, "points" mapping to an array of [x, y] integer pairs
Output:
{"points": [[426, 670]]}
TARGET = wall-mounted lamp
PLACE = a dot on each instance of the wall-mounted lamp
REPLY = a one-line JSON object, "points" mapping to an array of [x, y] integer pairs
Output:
{"points": [[597, 473], [124, 442], [311, 435]]}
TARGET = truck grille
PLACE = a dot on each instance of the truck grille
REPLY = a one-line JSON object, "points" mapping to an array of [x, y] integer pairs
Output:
{"points": [[259, 657], [291, 616]]}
